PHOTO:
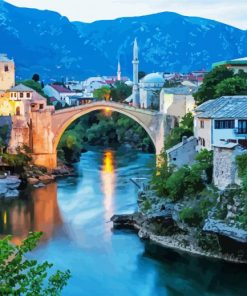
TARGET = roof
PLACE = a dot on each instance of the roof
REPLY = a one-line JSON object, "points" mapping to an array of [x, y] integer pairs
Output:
{"points": [[227, 145], [61, 89], [153, 78], [240, 61], [180, 90], [224, 107], [21, 88], [52, 99], [4, 58], [181, 144]]}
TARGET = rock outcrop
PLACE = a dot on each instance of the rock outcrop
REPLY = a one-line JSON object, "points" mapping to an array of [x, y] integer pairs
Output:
{"points": [[9, 187], [220, 228]]}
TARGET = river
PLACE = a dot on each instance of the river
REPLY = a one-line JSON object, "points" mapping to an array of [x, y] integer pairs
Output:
{"points": [[74, 215]]}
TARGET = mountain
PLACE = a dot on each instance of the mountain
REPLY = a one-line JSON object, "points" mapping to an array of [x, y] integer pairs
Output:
{"points": [[49, 44]]}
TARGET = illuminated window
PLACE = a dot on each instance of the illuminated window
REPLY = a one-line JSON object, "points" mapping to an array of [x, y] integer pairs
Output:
{"points": [[17, 111]]}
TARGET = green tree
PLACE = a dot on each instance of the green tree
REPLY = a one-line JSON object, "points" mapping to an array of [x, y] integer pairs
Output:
{"points": [[231, 86], [187, 121], [120, 91], [36, 77], [21, 276], [103, 93], [207, 90]]}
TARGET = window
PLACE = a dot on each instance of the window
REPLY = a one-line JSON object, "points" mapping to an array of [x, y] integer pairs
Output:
{"points": [[28, 95], [6, 68], [21, 95], [17, 111], [203, 143], [41, 106], [224, 124], [242, 126], [201, 123]]}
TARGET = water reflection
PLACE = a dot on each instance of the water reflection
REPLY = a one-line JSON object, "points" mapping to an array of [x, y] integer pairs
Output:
{"points": [[39, 213], [108, 182]]}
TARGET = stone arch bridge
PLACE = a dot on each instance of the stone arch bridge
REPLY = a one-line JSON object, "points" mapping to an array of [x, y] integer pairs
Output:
{"points": [[46, 139]]}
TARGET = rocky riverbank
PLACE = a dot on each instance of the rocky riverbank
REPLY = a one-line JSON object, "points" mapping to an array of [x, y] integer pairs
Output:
{"points": [[32, 176], [161, 225], [9, 186]]}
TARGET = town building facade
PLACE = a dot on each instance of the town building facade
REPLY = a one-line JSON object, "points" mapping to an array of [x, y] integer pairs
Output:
{"points": [[221, 120]]}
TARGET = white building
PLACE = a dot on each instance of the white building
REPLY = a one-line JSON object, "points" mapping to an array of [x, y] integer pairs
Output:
{"points": [[235, 65], [149, 90], [177, 101], [59, 92], [221, 120]]}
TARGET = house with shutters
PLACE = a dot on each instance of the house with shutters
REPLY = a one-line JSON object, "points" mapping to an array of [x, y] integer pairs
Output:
{"points": [[221, 120]]}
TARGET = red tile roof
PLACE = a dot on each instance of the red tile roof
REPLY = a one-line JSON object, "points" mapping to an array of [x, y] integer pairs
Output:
{"points": [[61, 89]]}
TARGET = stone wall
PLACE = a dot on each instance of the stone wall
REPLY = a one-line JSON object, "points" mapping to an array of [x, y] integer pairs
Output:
{"points": [[225, 168]]}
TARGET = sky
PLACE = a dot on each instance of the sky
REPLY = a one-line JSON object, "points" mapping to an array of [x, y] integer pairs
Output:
{"points": [[231, 12]]}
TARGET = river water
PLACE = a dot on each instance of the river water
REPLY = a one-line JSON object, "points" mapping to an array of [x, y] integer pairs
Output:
{"points": [[74, 215]]}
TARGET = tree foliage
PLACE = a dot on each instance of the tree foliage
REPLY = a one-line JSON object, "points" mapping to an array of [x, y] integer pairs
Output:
{"points": [[207, 90], [21, 276], [103, 93], [36, 77], [120, 91], [231, 86], [221, 81], [185, 181], [185, 128]]}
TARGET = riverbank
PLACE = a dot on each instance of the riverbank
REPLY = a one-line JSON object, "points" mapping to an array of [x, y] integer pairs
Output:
{"points": [[32, 176], [162, 228]]}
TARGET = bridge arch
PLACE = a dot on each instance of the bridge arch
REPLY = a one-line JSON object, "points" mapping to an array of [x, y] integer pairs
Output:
{"points": [[64, 125], [55, 123]]}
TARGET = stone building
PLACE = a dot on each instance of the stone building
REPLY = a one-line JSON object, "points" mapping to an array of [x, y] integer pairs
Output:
{"points": [[183, 153], [7, 73], [177, 101], [225, 170]]}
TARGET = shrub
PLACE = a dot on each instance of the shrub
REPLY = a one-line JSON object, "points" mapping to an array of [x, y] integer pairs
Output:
{"points": [[191, 216], [20, 276], [241, 161]]}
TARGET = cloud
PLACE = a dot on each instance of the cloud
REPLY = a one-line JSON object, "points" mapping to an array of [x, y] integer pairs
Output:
{"points": [[227, 11]]}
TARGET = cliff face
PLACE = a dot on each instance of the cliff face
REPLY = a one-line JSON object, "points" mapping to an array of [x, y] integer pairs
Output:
{"points": [[48, 43]]}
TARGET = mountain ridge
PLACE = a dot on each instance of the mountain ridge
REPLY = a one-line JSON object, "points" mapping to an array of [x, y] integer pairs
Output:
{"points": [[46, 42]]}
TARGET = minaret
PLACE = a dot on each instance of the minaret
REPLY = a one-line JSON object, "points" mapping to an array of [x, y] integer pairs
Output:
{"points": [[135, 92], [119, 71]]}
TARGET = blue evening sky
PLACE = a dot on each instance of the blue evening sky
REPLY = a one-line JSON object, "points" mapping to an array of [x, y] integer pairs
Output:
{"points": [[232, 12]]}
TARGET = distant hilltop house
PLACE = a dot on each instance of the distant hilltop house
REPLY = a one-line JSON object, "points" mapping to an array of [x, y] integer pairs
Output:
{"points": [[221, 120], [7, 73], [235, 65]]}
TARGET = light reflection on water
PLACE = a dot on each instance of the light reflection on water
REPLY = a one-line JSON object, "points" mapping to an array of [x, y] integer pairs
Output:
{"points": [[108, 179], [74, 213], [39, 213]]}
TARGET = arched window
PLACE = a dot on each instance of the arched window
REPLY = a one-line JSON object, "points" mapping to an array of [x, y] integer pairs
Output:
{"points": [[17, 111]]}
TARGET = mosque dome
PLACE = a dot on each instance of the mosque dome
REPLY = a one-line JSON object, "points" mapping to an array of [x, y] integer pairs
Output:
{"points": [[153, 78]]}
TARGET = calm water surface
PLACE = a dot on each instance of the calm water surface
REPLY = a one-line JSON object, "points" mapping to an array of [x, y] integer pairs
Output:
{"points": [[75, 214]]}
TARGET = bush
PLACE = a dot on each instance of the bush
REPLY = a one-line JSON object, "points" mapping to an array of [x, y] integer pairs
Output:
{"points": [[20, 276], [241, 161], [191, 216]]}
